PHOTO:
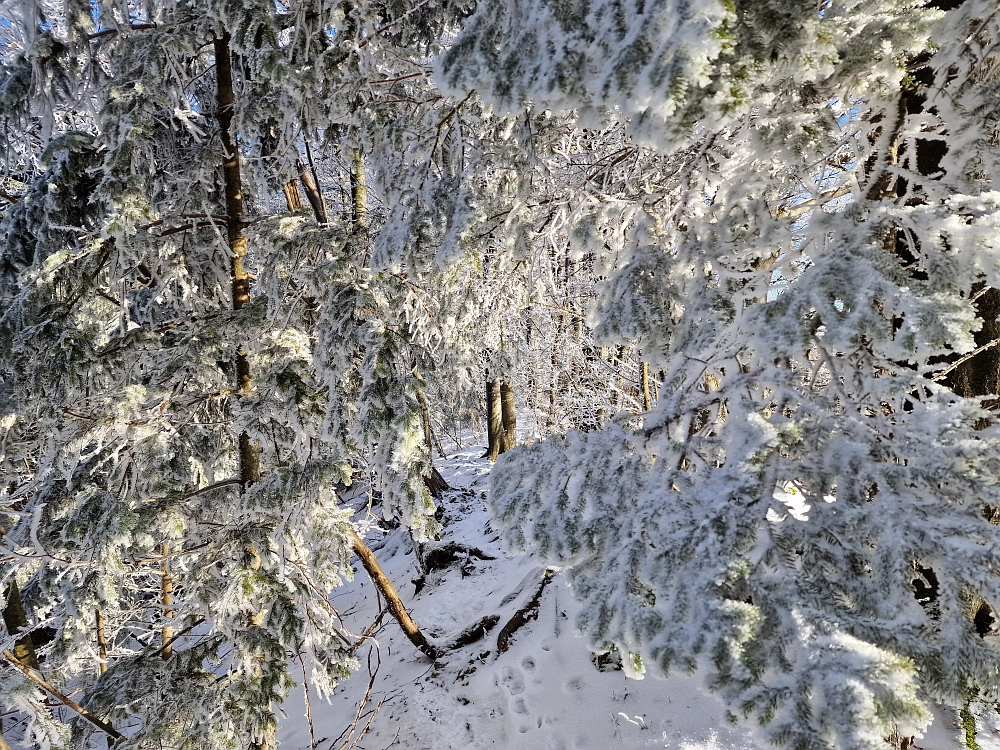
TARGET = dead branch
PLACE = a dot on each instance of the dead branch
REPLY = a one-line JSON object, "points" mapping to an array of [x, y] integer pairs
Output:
{"points": [[524, 615], [394, 603], [62, 697], [347, 744], [475, 632]]}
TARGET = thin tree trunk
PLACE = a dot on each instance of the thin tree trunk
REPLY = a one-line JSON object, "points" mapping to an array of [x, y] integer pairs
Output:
{"points": [[313, 193], [359, 190], [434, 482], [16, 619], [102, 642], [238, 244], [437, 445], [394, 603], [508, 417], [167, 584], [249, 453], [647, 400], [494, 419], [425, 418], [550, 419]]}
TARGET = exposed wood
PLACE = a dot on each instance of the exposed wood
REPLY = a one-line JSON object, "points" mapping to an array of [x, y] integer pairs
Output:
{"points": [[313, 193], [167, 585], [16, 620], [293, 198], [102, 642], [388, 591], [32, 675]]}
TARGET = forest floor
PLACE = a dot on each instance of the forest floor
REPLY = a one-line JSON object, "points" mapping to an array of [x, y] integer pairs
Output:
{"points": [[546, 690]]}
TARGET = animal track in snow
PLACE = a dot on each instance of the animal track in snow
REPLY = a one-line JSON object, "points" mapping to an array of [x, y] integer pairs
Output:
{"points": [[513, 680]]}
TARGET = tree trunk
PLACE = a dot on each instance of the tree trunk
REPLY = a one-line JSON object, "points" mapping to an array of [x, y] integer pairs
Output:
{"points": [[434, 482], [16, 619], [359, 190], [980, 375], [167, 585], [508, 417], [394, 603], [494, 419], [313, 193], [425, 418], [249, 453], [647, 399], [102, 643]]}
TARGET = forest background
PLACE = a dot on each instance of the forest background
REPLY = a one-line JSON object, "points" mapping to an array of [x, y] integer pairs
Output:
{"points": [[730, 268]]}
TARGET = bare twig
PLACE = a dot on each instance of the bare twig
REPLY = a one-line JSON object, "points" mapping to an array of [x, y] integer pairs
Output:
{"points": [[348, 743], [162, 649], [965, 358], [371, 629], [309, 718]]}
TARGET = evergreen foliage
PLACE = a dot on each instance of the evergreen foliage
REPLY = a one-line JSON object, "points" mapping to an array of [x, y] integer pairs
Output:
{"points": [[774, 222]]}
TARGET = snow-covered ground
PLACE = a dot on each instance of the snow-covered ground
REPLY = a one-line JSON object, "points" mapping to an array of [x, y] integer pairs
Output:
{"points": [[545, 691]]}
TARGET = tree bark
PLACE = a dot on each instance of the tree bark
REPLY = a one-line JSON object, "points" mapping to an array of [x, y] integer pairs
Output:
{"points": [[167, 585], [980, 375], [425, 418], [434, 482], [394, 603], [494, 419], [313, 193], [249, 453], [508, 417], [359, 190], [16, 619], [647, 399], [102, 643]]}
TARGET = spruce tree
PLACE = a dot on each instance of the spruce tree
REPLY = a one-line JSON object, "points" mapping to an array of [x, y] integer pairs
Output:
{"points": [[806, 514]]}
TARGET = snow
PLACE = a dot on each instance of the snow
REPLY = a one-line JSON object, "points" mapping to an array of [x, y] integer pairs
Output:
{"points": [[543, 692]]}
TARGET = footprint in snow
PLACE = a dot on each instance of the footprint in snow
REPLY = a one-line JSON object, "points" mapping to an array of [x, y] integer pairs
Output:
{"points": [[513, 680]]}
